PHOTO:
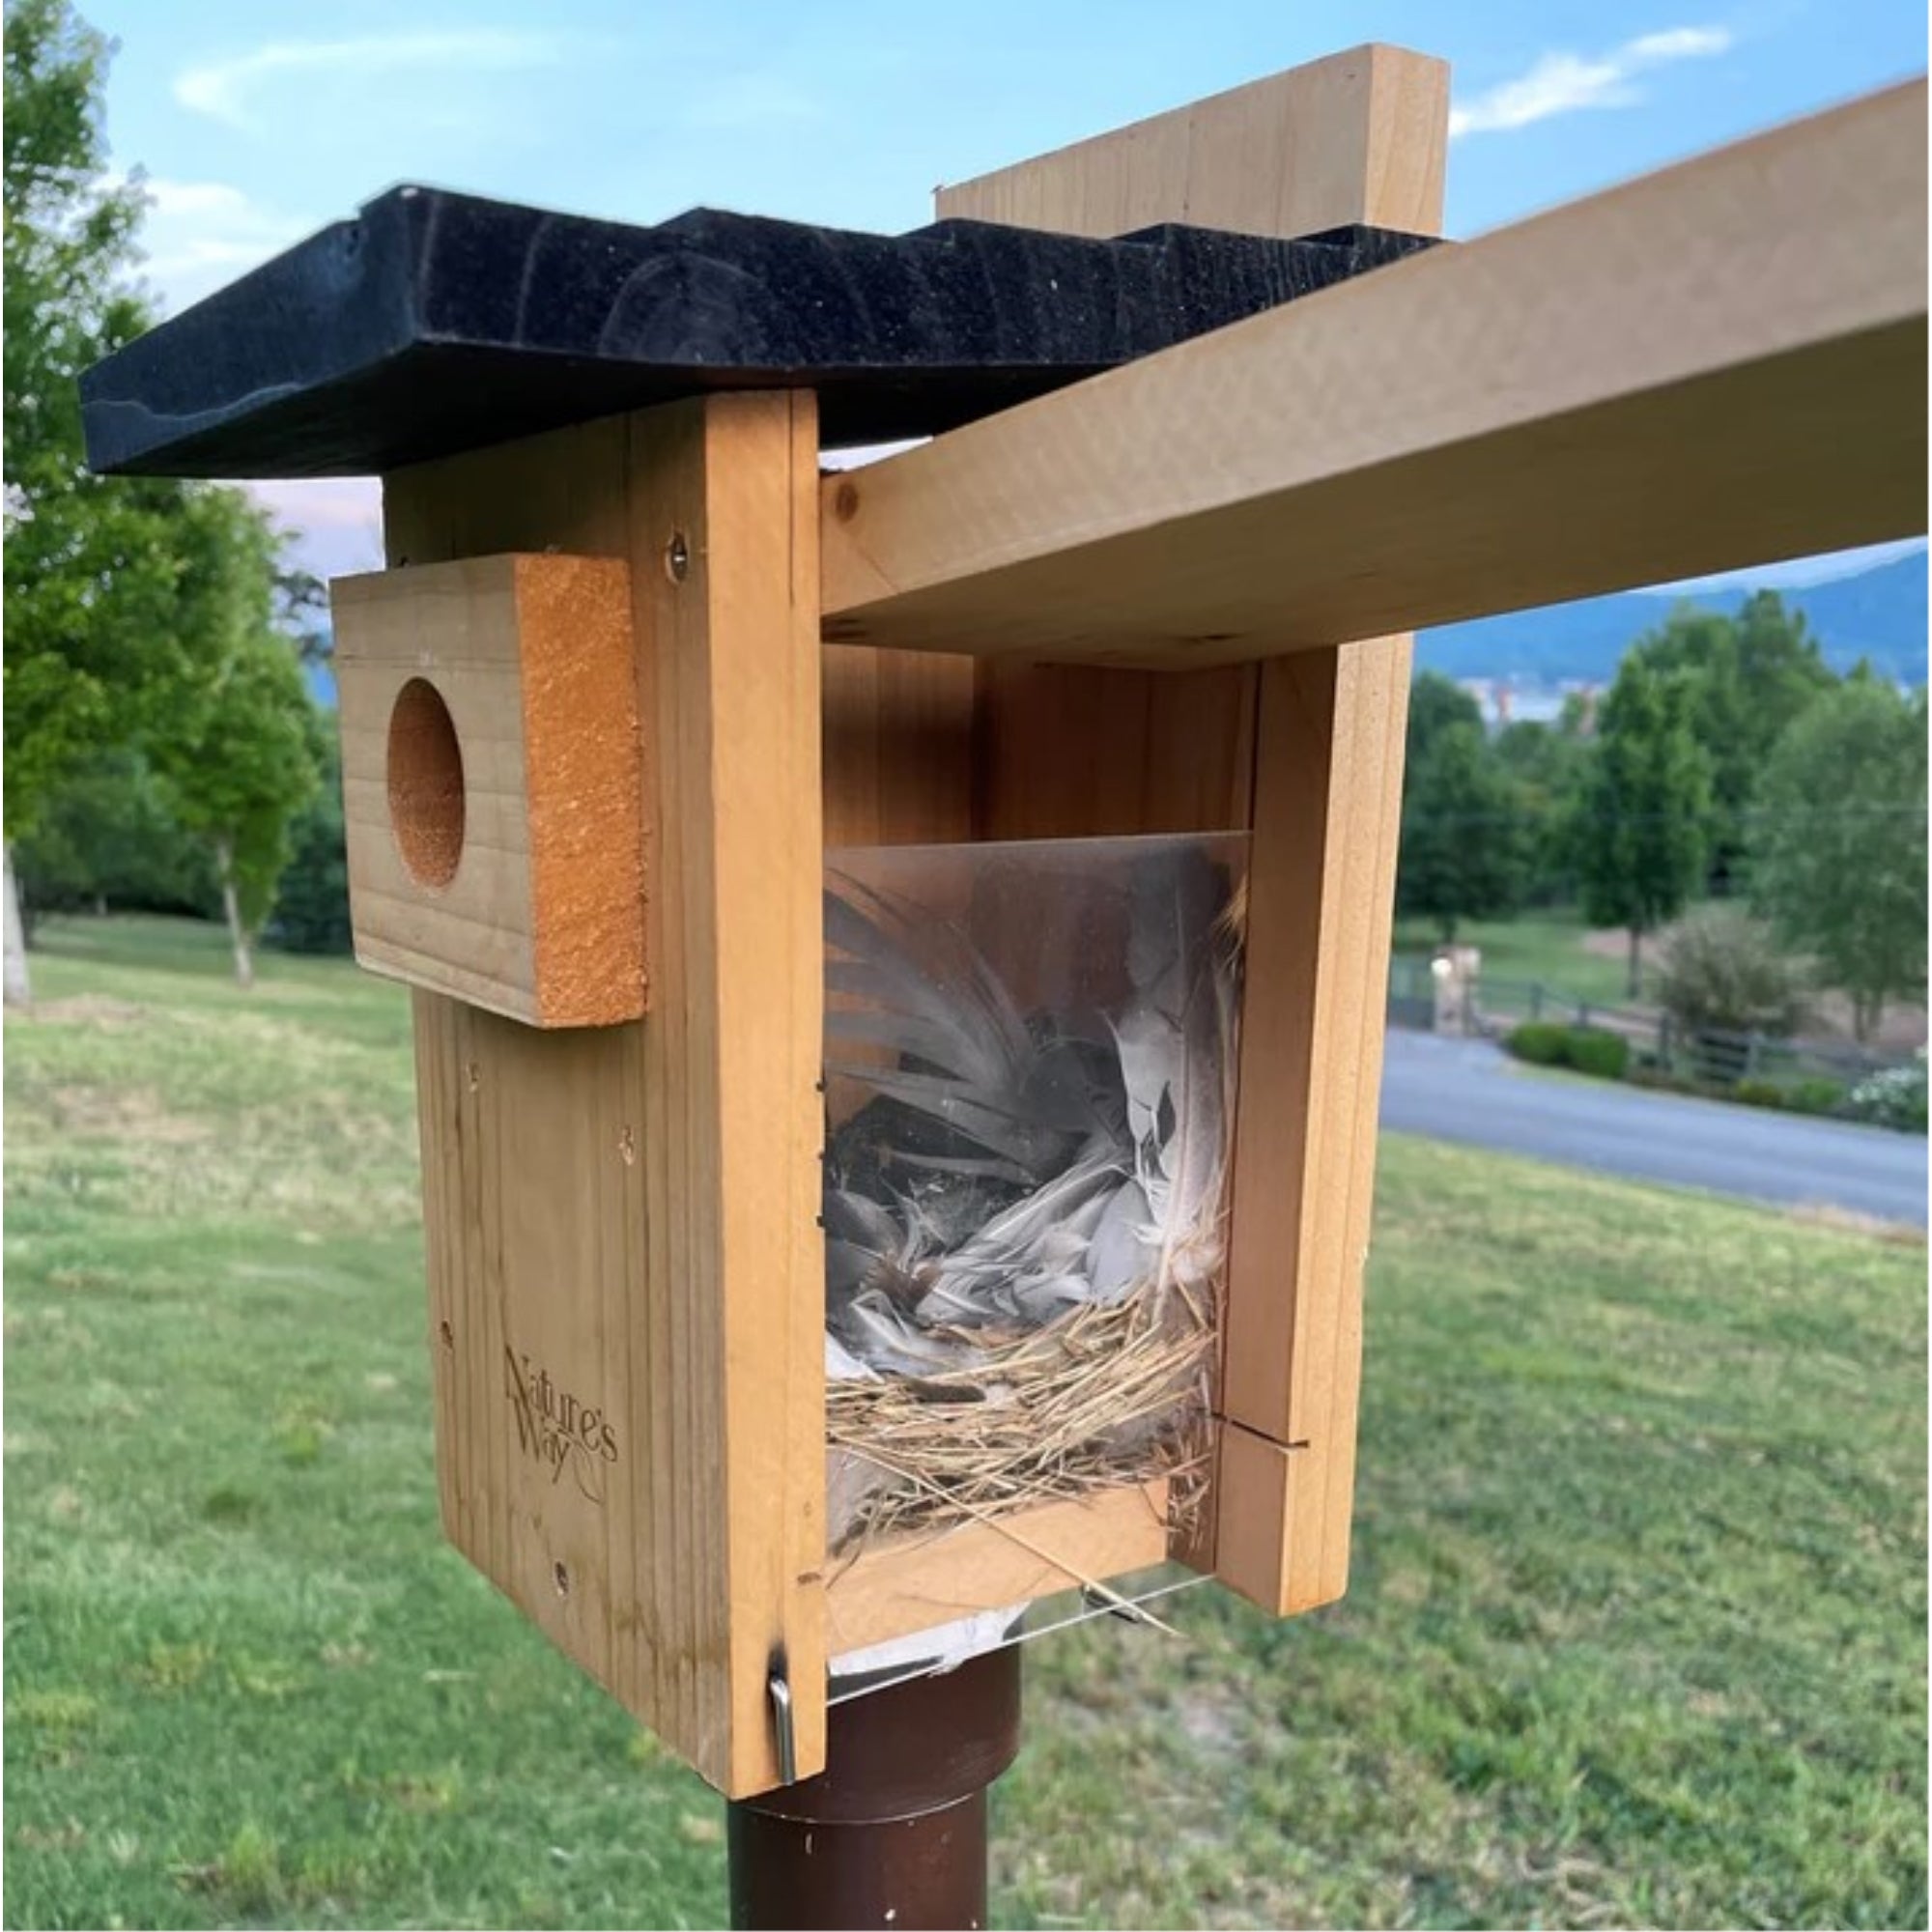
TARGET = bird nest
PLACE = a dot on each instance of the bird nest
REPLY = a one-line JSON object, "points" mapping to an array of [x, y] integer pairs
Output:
{"points": [[1102, 1396], [1030, 1094]]}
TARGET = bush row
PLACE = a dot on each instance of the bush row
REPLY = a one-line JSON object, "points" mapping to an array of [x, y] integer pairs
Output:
{"points": [[1586, 1049], [1894, 1098], [1802, 1097]]}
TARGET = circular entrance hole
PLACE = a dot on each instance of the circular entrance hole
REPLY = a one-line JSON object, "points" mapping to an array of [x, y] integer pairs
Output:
{"points": [[425, 783]]}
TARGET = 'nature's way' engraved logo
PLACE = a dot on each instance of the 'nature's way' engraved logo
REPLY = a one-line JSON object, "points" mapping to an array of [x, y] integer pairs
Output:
{"points": [[556, 1429]]}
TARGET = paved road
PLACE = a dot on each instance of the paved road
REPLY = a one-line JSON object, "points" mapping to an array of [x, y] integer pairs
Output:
{"points": [[1465, 1089]]}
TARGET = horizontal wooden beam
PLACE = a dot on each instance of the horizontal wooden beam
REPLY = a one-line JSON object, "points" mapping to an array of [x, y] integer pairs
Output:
{"points": [[1719, 365]]}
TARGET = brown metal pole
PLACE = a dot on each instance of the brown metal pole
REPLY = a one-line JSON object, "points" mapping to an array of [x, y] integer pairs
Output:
{"points": [[892, 1832]]}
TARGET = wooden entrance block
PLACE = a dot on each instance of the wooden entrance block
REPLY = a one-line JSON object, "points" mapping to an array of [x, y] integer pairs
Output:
{"points": [[491, 784]]}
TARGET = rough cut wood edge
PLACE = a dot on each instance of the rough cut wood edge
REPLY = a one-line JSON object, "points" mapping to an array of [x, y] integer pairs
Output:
{"points": [[1359, 136], [1714, 366], [583, 771], [651, 1188], [919, 1582]]}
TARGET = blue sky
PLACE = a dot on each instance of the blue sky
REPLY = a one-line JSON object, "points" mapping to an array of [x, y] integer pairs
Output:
{"points": [[257, 123]]}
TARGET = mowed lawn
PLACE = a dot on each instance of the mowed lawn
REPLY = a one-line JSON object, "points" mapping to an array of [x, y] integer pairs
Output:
{"points": [[1552, 947], [1636, 1633]]}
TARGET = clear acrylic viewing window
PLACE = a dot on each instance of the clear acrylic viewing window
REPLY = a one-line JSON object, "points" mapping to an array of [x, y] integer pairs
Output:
{"points": [[1030, 1073]]}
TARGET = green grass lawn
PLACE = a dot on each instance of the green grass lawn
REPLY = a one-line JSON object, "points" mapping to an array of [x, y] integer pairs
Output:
{"points": [[1545, 946], [1637, 1633]]}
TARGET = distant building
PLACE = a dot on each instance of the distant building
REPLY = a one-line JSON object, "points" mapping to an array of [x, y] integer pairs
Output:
{"points": [[1510, 700]]}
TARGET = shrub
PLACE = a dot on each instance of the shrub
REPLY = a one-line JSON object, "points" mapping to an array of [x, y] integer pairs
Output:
{"points": [[1760, 1093], [1722, 971], [1893, 1099], [1538, 1041], [1815, 1097], [1543, 1043], [1607, 1055]]}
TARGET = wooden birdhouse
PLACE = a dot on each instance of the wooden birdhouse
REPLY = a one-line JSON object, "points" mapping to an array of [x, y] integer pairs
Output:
{"points": [[899, 953]]}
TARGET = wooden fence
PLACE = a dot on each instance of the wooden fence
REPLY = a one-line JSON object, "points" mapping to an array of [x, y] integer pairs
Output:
{"points": [[1493, 1007]]}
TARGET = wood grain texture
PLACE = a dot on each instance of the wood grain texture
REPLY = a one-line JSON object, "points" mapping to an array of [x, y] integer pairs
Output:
{"points": [[1327, 812], [898, 743], [1357, 137], [1714, 366], [1074, 751], [626, 1218], [1257, 1480], [918, 1582], [532, 659]]}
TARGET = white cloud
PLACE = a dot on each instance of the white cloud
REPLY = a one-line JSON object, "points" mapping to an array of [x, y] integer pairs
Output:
{"points": [[226, 89], [199, 235], [1565, 83], [1679, 44]]}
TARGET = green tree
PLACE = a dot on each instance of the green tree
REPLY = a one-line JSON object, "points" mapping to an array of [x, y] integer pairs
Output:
{"points": [[1841, 843], [1749, 676], [139, 612], [1548, 765], [312, 902], [1461, 831], [241, 756], [91, 651], [1641, 831], [1435, 704], [107, 837]]}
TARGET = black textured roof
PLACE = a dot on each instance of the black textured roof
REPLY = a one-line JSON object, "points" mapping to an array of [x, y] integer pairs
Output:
{"points": [[437, 322]]}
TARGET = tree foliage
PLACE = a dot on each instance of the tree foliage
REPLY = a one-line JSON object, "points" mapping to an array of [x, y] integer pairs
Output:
{"points": [[241, 756], [108, 837], [90, 649], [1642, 831], [1747, 677], [141, 615], [1548, 764], [1841, 849], [1437, 704], [1461, 836], [312, 903]]}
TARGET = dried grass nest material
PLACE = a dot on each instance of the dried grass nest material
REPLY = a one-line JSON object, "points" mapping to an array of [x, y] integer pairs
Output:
{"points": [[1103, 1397]]}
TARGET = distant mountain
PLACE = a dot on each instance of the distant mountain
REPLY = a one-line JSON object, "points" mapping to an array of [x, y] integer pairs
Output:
{"points": [[1880, 614]]}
